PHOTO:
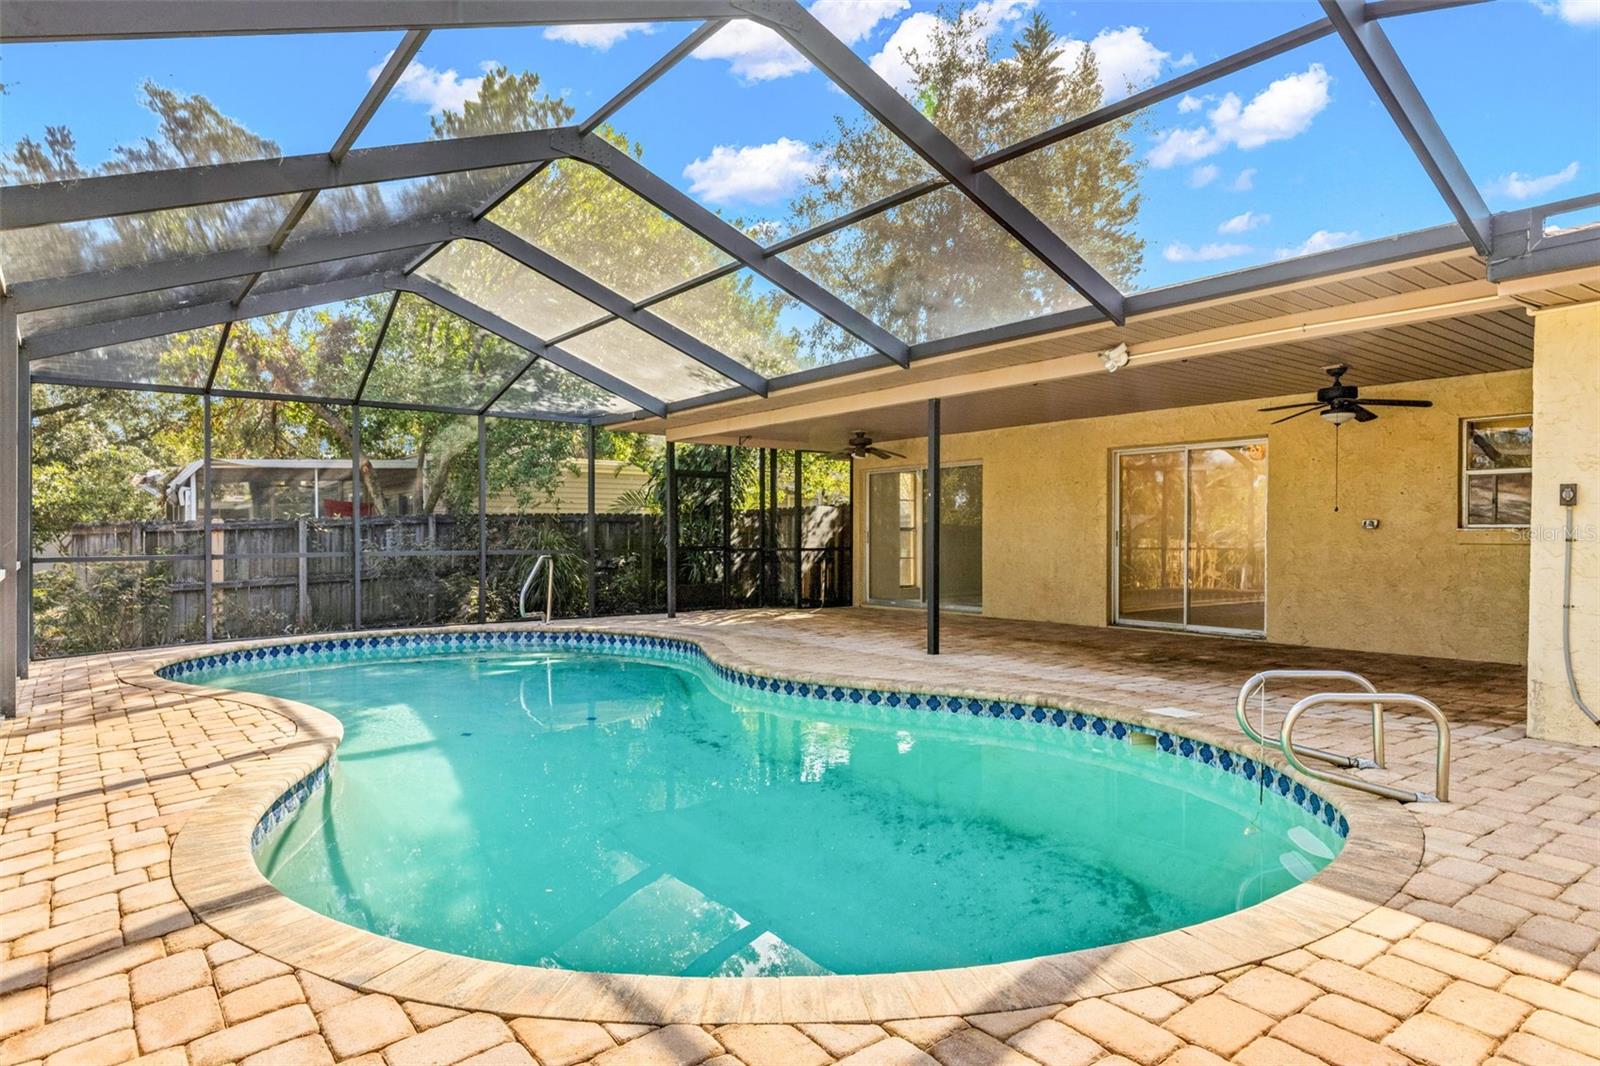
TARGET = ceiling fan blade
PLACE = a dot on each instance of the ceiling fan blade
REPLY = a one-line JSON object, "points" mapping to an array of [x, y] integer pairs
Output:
{"points": [[1292, 406], [1398, 403], [884, 453], [838, 455], [1361, 413], [1297, 414]]}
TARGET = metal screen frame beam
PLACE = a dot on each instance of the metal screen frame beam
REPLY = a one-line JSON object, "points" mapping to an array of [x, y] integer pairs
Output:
{"points": [[456, 305], [1392, 83], [1284, 42], [634, 176], [46, 293], [198, 316], [542, 262], [71, 20], [112, 195], [900, 117]]}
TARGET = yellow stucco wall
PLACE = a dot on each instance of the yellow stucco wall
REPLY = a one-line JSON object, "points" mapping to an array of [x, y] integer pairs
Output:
{"points": [[1566, 440], [1417, 585]]}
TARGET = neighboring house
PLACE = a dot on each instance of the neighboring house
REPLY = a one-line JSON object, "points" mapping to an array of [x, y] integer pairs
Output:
{"points": [[288, 488]]}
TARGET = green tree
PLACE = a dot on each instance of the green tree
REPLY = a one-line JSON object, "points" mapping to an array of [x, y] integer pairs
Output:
{"points": [[938, 266]]}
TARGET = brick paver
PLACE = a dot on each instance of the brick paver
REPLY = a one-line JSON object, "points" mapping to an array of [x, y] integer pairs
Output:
{"points": [[1491, 952]]}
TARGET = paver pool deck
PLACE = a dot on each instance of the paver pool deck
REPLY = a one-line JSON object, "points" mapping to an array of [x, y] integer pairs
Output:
{"points": [[1484, 949]]}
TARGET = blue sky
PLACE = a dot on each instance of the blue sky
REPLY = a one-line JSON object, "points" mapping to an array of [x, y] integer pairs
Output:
{"points": [[1289, 156]]}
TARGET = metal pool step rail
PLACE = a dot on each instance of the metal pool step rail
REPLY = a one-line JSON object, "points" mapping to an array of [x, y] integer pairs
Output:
{"points": [[1258, 683], [1441, 773], [1294, 753], [549, 565]]}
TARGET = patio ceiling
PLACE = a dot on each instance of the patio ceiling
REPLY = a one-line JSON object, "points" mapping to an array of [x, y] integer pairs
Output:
{"points": [[1430, 314], [570, 281]]}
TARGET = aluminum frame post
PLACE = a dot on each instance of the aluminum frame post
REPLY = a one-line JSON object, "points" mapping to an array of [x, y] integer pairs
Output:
{"points": [[672, 530], [10, 546], [207, 554], [727, 524], [591, 592], [799, 531], [483, 520], [930, 529], [761, 528], [355, 516], [24, 524]]}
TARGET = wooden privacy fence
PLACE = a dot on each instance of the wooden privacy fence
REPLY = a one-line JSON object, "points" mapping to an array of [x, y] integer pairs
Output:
{"points": [[142, 584]]}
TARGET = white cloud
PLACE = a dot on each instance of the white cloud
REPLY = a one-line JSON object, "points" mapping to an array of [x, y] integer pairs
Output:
{"points": [[752, 174], [1515, 186], [853, 20], [1246, 180], [1244, 223], [1282, 110], [1190, 104], [1185, 61], [1576, 12], [597, 35], [913, 35], [1182, 253], [1126, 58], [441, 90], [756, 53], [1200, 177], [1320, 241]]}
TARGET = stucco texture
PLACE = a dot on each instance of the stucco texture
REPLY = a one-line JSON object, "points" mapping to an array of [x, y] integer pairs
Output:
{"points": [[1566, 442], [1417, 585]]}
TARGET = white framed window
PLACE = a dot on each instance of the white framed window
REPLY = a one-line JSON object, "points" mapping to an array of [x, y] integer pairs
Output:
{"points": [[1497, 472]]}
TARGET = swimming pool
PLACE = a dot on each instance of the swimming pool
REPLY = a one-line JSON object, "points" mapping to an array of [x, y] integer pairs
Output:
{"points": [[623, 805]]}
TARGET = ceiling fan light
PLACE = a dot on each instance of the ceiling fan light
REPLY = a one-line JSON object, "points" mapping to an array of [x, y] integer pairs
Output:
{"points": [[1338, 416]]}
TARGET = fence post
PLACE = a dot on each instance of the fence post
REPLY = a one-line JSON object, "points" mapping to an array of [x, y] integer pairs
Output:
{"points": [[589, 529], [302, 591]]}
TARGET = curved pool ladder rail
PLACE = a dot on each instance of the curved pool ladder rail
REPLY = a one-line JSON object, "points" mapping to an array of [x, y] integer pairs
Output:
{"points": [[548, 562], [1353, 762], [1441, 782]]}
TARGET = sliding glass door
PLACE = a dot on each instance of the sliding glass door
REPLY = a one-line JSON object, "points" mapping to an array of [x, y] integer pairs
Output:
{"points": [[895, 530], [1191, 537]]}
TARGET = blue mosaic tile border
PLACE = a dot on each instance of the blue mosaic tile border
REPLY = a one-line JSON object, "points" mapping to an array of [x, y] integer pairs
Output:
{"points": [[288, 803], [339, 649]]}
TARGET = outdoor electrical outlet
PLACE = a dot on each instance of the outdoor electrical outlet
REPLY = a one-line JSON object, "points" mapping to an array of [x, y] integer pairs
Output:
{"points": [[1569, 494], [1369, 523]]}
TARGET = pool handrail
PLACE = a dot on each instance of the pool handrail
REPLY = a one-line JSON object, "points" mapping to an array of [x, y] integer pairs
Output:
{"points": [[1353, 762], [1441, 782], [547, 561]]}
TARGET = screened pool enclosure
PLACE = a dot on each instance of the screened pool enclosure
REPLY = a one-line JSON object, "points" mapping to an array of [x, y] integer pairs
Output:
{"points": [[338, 333]]}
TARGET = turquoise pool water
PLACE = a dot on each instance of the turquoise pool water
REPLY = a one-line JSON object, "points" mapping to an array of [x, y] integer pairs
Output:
{"points": [[599, 811]]}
